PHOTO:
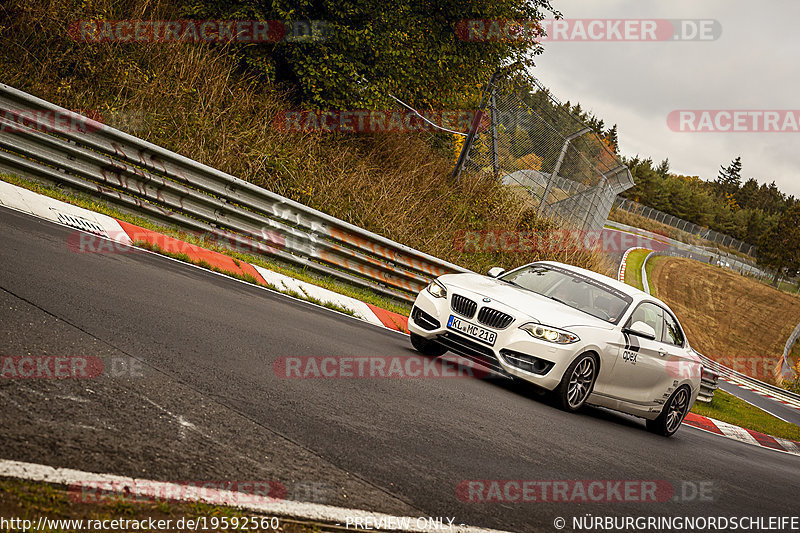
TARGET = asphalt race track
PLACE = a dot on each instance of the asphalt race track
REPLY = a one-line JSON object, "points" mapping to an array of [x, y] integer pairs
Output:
{"points": [[782, 411], [195, 398]]}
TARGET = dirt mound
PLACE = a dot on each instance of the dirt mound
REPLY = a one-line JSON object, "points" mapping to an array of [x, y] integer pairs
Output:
{"points": [[737, 321]]}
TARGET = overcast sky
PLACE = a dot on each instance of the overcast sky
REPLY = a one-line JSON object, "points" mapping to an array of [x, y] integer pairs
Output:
{"points": [[753, 65]]}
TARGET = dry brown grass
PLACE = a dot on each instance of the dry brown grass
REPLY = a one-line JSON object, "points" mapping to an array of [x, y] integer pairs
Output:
{"points": [[194, 100], [737, 321]]}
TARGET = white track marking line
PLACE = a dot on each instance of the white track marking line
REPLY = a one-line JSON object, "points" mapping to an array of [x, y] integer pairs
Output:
{"points": [[286, 508]]}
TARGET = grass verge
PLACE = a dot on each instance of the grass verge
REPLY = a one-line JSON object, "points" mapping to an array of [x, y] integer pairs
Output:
{"points": [[730, 409], [296, 273], [651, 265], [633, 268], [32, 500]]}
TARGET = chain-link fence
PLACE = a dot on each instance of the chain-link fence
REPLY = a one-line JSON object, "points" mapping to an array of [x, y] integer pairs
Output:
{"points": [[551, 159], [787, 372], [686, 226]]}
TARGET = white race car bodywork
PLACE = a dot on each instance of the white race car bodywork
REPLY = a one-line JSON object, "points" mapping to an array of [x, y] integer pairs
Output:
{"points": [[635, 374]]}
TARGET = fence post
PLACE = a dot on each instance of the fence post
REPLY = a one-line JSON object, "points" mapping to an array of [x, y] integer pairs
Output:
{"points": [[493, 122], [553, 175], [476, 123]]}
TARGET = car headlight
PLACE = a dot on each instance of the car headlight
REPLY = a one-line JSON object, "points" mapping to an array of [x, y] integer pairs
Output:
{"points": [[437, 289], [549, 334]]}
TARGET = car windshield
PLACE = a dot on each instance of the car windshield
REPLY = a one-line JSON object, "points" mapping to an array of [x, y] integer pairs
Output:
{"points": [[573, 289]]}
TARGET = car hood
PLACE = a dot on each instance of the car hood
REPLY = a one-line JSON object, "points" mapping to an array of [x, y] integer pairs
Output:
{"points": [[541, 308]]}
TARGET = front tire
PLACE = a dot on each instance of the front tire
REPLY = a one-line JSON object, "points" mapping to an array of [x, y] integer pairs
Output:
{"points": [[577, 383], [672, 415], [427, 347]]}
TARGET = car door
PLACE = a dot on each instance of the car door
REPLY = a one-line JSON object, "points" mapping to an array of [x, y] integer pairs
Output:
{"points": [[680, 364], [640, 374]]}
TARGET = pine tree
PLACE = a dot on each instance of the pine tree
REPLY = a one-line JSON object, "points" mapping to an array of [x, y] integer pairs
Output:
{"points": [[663, 168], [780, 246], [612, 138], [729, 178]]}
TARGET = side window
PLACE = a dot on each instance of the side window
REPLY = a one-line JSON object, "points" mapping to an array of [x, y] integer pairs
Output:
{"points": [[672, 331], [650, 314]]}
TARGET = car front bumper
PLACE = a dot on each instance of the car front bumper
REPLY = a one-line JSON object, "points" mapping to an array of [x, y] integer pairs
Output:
{"points": [[514, 352]]}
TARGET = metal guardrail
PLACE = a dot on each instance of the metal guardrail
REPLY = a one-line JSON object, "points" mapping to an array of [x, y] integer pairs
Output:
{"points": [[145, 179], [737, 377], [708, 384]]}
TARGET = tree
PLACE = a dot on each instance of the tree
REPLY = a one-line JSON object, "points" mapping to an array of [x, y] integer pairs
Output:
{"points": [[420, 52], [770, 198], [729, 178], [663, 168], [780, 246], [612, 138], [746, 195]]}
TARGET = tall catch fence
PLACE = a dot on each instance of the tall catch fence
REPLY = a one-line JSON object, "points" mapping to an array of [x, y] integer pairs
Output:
{"points": [[550, 158], [684, 225]]}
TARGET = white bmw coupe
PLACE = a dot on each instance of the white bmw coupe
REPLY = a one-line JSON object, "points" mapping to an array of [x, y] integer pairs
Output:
{"points": [[584, 336]]}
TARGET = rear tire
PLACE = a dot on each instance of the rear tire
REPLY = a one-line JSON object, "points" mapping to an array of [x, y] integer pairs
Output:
{"points": [[427, 347], [577, 383], [672, 415]]}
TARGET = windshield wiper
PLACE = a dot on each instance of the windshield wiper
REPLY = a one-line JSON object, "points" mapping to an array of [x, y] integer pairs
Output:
{"points": [[559, 300]]}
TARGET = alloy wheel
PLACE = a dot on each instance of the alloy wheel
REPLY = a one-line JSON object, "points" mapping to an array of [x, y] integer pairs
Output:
{"points": [[580, 382]]}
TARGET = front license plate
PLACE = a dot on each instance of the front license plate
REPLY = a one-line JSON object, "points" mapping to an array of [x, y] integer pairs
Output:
{"points": [[471, 330]]}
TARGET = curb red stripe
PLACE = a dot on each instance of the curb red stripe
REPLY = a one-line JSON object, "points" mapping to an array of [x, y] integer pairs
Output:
{"points": [[389, 319], [195, 253], [223, 262], [766, 440], [702, 422], [761, 439]]}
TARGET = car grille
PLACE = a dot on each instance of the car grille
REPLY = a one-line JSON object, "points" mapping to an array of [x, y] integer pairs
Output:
{"points": [[494, 318], [473, 351], [463, 306], [423, 319], [526, 362]]}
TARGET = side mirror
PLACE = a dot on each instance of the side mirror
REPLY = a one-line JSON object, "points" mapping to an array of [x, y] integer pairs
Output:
{"points": [[640, 329], [495, 272]]}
